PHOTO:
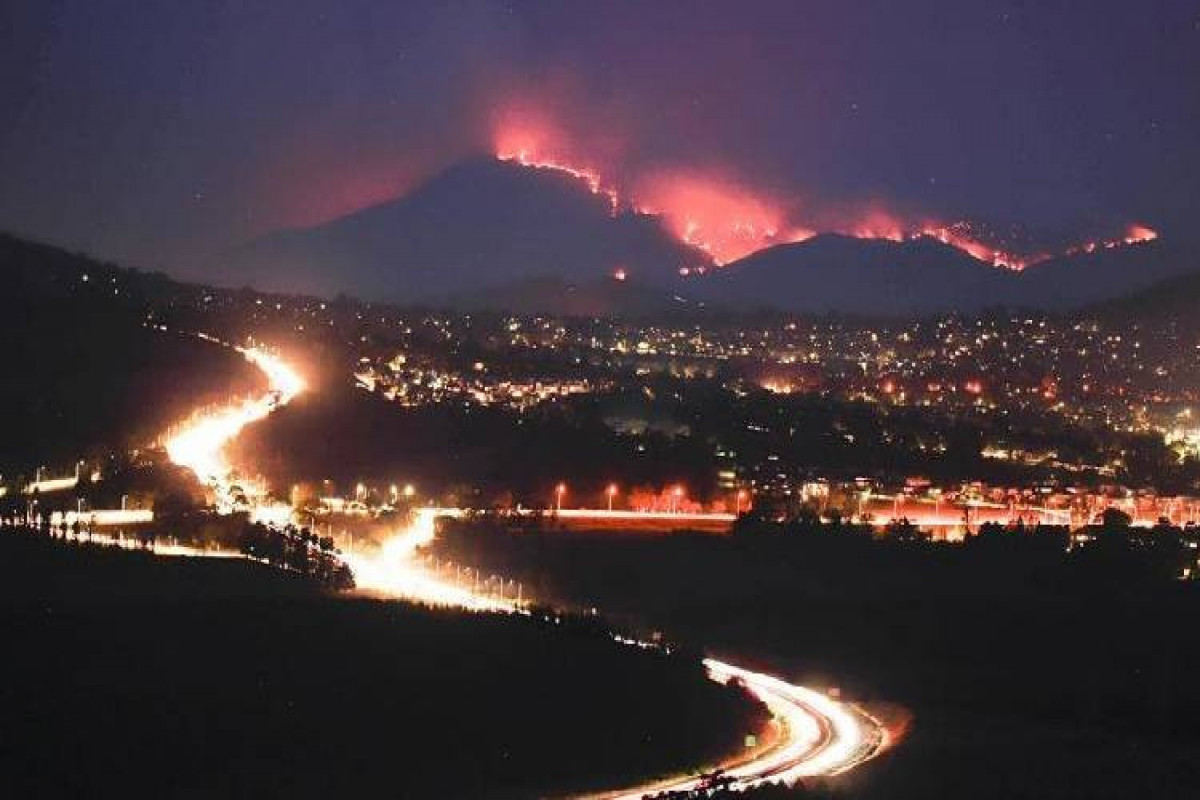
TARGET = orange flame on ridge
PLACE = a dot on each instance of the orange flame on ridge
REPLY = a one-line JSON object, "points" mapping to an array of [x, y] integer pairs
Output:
{"points": [[728, 220]]}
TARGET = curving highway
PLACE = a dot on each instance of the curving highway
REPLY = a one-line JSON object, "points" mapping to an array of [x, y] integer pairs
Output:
{"points": [[815, 734], [199, 443]]}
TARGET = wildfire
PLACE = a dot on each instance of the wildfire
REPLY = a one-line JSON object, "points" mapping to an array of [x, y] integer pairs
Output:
{"points": [[724, 219], [954, 236], [716, 215], [728, 220], [960, 235], [1136, 234], [522, 149]]}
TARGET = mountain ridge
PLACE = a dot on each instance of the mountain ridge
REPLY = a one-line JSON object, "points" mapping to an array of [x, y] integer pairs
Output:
{"points": [[522, 223], [485, 227]]}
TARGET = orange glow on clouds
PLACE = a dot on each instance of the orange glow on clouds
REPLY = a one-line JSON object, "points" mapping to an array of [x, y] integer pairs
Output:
{"points": [[958, 235], [719, 216], [724, 219], [536, 146]]}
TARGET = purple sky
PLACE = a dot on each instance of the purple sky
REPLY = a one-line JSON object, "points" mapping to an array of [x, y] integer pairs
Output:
{"points": [[156, 132]]}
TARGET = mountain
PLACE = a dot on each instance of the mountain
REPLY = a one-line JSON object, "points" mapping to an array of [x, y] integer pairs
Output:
{"points": [[490, 233], [1172, 299], [480, 223], [833, 273], [1083, 279]]}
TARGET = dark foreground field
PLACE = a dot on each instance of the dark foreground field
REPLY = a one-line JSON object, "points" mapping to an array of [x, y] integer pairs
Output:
{"points": [[127, 676], [1027, 674]]}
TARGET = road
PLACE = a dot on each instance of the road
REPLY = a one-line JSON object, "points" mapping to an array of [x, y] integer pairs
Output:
{"points": [[199, 443], [817, 734]]}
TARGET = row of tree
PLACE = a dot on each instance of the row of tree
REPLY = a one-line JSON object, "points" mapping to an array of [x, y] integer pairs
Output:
{"points": [[297, 550]]}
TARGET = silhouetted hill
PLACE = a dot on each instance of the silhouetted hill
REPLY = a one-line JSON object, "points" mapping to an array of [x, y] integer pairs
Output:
{"points": [[480, 223], [33, 271], [1086, 278], [1171, 298], [871, 276], [859, 276]]}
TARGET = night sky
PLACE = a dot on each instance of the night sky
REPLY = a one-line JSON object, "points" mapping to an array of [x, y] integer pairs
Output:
{"points": [[160, 132]]}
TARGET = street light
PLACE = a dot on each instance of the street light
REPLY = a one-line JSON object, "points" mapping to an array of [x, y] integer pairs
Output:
{"points": [[611, 491], [676, 497], [738, 498], [559, 491]]}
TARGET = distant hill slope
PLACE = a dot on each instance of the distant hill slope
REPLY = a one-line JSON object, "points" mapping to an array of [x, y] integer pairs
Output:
{"points": [[859, 276], [481, 223], [831, 273], [1084, 279], [87, 375], [484, 223], [1172, 298]]}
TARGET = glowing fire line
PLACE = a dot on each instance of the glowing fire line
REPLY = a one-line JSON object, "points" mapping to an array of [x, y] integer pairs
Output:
{"points": [[729, 222]]}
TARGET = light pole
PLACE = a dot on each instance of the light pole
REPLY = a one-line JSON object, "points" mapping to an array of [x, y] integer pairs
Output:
{"points": [[611, 492], [676, 497], [559, 491], [738, 498]]}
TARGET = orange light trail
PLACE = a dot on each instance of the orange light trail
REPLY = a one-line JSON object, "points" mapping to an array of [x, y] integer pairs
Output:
{"points": [[199, 445], [818, 735]]}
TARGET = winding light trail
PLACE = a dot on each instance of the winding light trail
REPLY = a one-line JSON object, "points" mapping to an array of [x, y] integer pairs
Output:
{"points": [[200, 444], [818, 735]]}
